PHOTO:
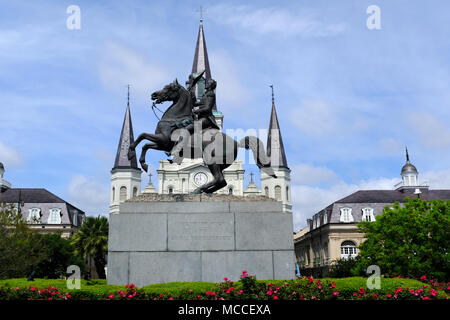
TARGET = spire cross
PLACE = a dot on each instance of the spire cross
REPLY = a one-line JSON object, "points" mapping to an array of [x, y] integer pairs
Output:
{"points": [[201, 14], [128, 99], [251, 176], [149, 177], [273, 96]]}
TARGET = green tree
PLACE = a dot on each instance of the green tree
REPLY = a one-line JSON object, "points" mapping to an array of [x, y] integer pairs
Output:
{"points": [[60, 255], [409, 240], [91, 242], [21, 249]]}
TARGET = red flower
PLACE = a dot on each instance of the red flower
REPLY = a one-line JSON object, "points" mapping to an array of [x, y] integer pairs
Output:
{"points": [[275, 298], [111, 296]]}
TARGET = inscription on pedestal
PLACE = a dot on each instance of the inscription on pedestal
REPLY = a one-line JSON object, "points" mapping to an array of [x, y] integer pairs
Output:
{"points": [[201, 232]]}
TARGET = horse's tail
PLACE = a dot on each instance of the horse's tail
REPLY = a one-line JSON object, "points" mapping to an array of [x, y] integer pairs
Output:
{"points": [[259, 154]]}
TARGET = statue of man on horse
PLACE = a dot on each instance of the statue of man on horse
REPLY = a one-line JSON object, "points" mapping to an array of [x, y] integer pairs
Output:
{"points": [[188, 129]]}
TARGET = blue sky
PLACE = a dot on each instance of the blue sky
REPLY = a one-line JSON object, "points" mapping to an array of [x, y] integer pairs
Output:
{"points": [[348, 99]]}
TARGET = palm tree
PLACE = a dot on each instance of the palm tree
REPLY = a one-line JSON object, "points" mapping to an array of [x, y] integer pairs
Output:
{"points": [[91, 242]]}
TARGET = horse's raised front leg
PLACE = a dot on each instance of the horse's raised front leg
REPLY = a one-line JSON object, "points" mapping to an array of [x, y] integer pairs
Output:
{"points": [[144, 152], [157, 138]]}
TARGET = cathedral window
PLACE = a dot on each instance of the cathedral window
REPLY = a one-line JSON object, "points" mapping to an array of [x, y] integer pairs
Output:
{"points": [[34, 215], [348, 249], [367, 215], [55, 216], [170, 190], [230, 191], [123, 194], [113, 194], [278, 193], [266, 191], [346, 215], [134, 192], [287, 194]]}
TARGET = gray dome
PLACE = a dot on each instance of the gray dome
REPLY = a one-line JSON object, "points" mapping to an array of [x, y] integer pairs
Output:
{"points": [[409, 168]]}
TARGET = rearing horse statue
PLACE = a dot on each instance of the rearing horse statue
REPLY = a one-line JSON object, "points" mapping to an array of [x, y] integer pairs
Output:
{"points": [[216, 148]]}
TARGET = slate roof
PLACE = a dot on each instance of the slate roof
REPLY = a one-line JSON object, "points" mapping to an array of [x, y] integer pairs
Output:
{"points": [[275, 146], [31, 195], [391, 196], [126, 138], [42, 198], [201, 60]]}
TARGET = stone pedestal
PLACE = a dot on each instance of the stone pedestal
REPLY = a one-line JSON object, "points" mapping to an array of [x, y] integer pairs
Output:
{"points": [[175, 238]]}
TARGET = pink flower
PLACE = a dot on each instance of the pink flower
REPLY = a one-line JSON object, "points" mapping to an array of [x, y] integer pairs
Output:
{"points": [[244, 272], [225, 278], [433, 292], [111, 296], [269, 292], [171, 298], [275, 298], [335, 293], [389, 295]]}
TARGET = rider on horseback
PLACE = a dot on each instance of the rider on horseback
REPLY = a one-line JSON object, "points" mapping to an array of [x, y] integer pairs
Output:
{"points": [[202, 112]]}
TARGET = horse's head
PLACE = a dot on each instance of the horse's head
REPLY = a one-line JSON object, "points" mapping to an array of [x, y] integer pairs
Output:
{"points": [[170, 92]]}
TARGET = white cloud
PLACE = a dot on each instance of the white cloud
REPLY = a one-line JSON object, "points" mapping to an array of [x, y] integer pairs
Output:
{"points": [[273, 20], [432, 132], [88, 195], [230, 91], [436, 179], [315, 117], [309, 174], [10, 156], [120, 66]]}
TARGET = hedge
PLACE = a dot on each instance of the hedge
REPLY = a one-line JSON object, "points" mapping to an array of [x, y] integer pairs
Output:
{"points": [[248, 287]]}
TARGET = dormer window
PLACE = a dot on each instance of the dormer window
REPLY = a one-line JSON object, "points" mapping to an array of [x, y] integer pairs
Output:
{"points": [[367, 215], [346, 215], [34, 215], [55, 216]]}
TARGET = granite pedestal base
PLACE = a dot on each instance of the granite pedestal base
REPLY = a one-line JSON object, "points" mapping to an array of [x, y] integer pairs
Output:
{"points": [[199, 239]]}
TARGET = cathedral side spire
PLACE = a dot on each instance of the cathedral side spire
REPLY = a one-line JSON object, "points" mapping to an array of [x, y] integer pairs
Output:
{"points": [[275, 147], [126, 138]]}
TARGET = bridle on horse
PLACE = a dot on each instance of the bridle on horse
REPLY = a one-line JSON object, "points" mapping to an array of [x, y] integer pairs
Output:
{"points": [[155, 107]]}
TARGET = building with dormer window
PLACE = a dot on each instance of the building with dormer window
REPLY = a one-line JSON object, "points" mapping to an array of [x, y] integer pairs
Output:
{"points": [[43, 211], [332, 234]]}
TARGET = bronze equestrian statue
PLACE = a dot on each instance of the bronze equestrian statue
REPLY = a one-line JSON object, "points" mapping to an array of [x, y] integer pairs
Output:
{"points": [[201, 137]]}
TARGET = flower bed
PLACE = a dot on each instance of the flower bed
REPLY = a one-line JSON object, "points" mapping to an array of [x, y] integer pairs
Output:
{"points": [[248, 287]]}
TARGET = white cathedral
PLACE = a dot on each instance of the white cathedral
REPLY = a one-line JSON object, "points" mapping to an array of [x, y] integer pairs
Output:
{"points": [[192, 173]]}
